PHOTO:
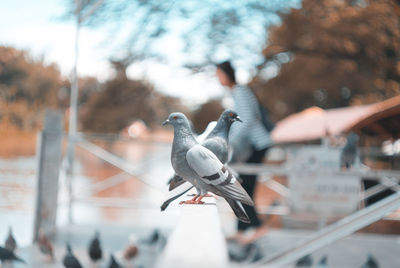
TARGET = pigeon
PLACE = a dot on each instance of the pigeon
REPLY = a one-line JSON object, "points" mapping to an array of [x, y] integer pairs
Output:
{"points": [[113, 263], [323, 263], [349, 152], [244, 253], [131, 250], [70, 261], [8, 255], [201, 167], [371, 262], [45, 245], [95, 252], [153, 237], [216, 141], [305, 261], [10, 243]]}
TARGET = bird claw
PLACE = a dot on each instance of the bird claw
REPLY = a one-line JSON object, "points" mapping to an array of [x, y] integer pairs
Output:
{"points": [[191, 202], [187, 202]]}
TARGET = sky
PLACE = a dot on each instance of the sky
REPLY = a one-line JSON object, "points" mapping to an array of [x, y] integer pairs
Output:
{"points": [[38, 29], [35, 26]]}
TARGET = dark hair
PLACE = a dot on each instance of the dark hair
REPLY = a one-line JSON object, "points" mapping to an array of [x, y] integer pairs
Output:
{"points": [[227, 68]]}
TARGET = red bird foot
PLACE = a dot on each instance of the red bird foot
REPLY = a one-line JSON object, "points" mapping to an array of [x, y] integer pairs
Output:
{"points": [[191, 202]]}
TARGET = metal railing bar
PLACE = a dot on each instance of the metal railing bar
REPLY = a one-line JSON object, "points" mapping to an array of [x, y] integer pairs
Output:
{"points": [[116, 161], [119, 138], [278, 187], [117, 202], [109, 182], [260, 169], [333, 232]]}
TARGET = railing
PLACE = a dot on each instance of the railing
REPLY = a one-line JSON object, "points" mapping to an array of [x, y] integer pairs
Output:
{"points": [[333, 232], [129, 170], [386, 179]]}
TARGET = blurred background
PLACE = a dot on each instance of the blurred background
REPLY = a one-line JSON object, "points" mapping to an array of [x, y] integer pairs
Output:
{"points": [[322, 68]]}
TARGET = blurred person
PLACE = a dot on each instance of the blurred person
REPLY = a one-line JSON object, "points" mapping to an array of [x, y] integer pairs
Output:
{"points": [[250, 141]]}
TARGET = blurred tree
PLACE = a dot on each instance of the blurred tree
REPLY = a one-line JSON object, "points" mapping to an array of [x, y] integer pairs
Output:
{"points": [[122, 101], [116, 106], [141, 28], [209, 111], [163, 105], [331, 53], [27, 87]]}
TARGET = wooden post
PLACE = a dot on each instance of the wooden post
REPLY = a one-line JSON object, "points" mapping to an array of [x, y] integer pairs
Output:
{"points": [[49, 159]]}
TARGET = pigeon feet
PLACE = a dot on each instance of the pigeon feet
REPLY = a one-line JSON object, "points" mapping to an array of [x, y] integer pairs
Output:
{"points": [[191, 202], [194, 201]]}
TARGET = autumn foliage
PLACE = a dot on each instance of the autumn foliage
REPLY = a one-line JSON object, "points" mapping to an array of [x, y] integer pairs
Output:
{"points": [[27, 85], [332, 53]]}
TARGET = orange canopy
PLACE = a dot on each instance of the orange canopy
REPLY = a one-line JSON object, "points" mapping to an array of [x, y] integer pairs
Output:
{"points": [[314, 123]]}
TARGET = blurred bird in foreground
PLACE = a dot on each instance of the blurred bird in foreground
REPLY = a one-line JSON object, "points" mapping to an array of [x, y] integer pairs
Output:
{"points": [[45, 245], [8, 255], [95, 252], [153, 238], [305, 261], [349, 152], [323, 263], [70, 261], [244, 253], [371, 262], [131, 250], [10, 243], [201, 167], [113, 263]]}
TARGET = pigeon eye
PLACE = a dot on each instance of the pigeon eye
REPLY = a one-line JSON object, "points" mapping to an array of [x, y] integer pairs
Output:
{"points": [[175, 117], [231, 114]]}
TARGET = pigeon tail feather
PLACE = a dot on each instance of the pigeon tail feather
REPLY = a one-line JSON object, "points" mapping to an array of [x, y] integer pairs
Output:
{"points": [[238, 210]]}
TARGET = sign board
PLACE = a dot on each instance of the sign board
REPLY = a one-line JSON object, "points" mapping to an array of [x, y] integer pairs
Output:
{"points": [[316, 190]]}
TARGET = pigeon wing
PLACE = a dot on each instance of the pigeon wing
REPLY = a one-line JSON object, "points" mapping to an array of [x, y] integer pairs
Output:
{"points": [[214, 173]]}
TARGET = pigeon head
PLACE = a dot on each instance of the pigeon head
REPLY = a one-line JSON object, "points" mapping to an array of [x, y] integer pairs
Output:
{"points": [[177, 120], [69, 250], [230, 116]]}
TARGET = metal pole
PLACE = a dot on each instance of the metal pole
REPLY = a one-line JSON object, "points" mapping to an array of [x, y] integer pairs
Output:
{"points": [[73, 114]]}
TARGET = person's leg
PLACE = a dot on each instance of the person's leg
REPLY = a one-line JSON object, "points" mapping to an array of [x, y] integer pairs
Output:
{"points": [[249, 184]]}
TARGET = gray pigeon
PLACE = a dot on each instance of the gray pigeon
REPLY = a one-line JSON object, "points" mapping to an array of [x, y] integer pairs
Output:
{"points": [[70, 261], [113, 263], [349, 152], [10, 243], [216, 142], [323, 262], [95, 252], [8, 255], [305, 261], [371, 262], [201, 167]]}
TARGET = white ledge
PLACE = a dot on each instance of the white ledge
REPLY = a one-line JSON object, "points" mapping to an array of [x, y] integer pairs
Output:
{"points": [[197, 241]]}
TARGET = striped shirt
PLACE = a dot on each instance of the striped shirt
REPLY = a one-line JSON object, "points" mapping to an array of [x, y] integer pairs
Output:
{"points": [[250, 133]]}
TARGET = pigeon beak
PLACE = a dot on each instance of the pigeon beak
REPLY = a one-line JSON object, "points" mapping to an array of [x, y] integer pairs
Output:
{"points": [[165, 122], [238, 119]]}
